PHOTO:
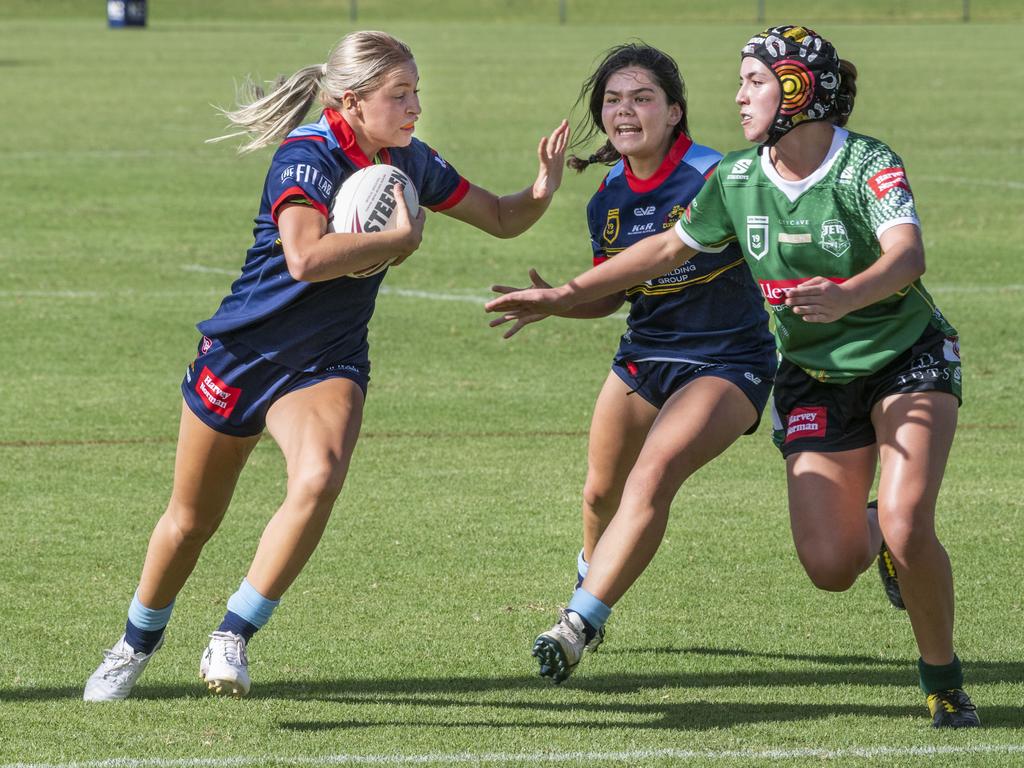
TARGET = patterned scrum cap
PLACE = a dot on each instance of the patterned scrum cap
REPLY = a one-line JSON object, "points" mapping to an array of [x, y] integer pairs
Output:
{"points": [[807, 68]]}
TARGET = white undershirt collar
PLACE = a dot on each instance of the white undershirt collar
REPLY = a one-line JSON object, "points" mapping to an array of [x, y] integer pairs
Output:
{"points": [[793, 189]]}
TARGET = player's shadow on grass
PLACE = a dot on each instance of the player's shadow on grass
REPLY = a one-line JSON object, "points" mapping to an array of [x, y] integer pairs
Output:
{"points": [[689, 716], [778, 670]]}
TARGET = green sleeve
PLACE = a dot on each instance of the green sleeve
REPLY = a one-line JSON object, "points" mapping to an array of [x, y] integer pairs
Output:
{"points": [[706, 225], [885, 192]]}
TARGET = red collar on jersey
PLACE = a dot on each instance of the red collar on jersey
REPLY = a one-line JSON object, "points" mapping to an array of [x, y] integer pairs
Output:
{"points": [[675, 155], [347, 140]]}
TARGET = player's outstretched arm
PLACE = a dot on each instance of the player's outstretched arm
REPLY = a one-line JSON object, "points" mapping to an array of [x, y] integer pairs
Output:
{"points": [[651, 257], [314, 254], [598, 308], [512, 215]]}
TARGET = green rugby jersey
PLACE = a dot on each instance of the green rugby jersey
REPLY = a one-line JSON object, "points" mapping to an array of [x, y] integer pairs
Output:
{"points": [[826, 225]]}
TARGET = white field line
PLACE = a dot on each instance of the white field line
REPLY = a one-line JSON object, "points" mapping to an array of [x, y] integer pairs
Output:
{"points": [[997, 183], [586, 758], [386, 290]]}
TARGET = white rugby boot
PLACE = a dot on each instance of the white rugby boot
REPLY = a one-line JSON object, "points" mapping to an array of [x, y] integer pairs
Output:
{"points": [[116, 675], [225, 664], [560, 648]]}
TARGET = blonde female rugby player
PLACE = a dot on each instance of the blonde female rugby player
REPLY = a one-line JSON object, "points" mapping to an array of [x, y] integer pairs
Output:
{"points": [[287, 350]]}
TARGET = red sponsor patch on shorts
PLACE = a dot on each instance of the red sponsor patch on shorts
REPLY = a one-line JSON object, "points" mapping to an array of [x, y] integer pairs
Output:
{"points": [[887, 180], [215, 394], [806, 422]]}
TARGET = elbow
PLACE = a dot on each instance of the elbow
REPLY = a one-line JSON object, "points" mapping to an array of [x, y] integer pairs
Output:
{"points": [[299, 267], [503, 231], [916, 264]]}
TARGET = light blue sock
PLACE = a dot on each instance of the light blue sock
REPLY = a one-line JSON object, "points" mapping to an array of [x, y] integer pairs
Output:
{"points": [[582, 566], [149, 619], [593, 611], [251, 605]]}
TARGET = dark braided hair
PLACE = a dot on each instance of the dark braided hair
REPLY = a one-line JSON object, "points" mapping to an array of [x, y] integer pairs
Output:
{"points": [[663, 69], [847, 93]]}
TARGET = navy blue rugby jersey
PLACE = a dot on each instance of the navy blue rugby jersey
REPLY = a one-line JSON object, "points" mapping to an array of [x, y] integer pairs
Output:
{"points": [[303, 325], [707, 310]]}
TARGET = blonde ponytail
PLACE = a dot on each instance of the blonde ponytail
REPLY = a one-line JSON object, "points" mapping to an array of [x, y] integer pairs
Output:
{"points": [[269, 117], [359, 63]]}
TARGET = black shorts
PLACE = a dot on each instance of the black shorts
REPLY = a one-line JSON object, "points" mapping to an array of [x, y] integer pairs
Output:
{"points": [[808, 415], [232, 390], [657, 380]]}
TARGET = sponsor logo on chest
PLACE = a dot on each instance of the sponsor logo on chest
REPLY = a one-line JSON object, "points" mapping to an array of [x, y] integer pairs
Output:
{"points": [[303, 173], [776, 291], [642, 229], [740, 170]]}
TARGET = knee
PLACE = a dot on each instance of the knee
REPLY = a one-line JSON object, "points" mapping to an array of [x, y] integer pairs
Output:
{"points": [[602, 496], [190, 526], [831, 574], [653, 486], [909, 538], [319, 481]]}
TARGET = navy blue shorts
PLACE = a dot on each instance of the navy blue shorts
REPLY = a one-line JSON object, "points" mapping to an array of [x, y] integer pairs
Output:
{"points": [[657, 380], [809, 415], [231, 391]]}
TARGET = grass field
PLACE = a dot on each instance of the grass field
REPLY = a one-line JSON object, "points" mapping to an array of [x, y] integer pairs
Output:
{"points": [[406, 640]]}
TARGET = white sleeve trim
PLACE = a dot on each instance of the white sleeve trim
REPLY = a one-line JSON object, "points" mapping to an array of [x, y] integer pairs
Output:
{"points": [[683, 235], [887, 225]]}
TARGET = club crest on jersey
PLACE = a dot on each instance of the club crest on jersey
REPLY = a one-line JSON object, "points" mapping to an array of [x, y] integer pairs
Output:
{"points": [[757, 236], [611, 226], [834, 238], [673, 216]]}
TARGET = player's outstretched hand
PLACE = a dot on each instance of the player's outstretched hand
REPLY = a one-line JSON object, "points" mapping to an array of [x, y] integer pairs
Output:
{"points": [[520, 321], [818, 300], [551, 153], [410, 228]]}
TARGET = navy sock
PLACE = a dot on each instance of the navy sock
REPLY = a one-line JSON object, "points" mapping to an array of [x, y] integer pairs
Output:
{"points": [[142, 640], [234, 623]]}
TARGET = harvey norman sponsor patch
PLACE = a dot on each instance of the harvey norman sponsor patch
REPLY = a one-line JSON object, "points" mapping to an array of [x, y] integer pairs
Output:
{"points": [[806, 422], [215, 394], [887, 180], [776, 291]]}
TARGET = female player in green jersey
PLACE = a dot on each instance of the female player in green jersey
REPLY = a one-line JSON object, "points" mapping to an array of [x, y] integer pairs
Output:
{"points": [[870, 369]]}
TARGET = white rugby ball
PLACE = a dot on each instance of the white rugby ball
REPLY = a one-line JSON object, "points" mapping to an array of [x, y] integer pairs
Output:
{"points": [[366, 203]]}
